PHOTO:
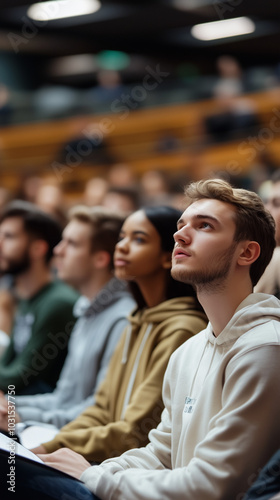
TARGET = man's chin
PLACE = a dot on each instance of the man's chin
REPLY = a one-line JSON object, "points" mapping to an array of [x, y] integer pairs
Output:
{"points": [[178, 274]]}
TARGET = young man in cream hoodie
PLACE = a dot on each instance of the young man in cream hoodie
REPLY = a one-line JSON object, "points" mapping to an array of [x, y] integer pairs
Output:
{"points": [[220, 424]]}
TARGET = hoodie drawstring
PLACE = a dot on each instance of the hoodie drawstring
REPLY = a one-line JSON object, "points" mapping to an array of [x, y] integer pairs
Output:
{"points": [[135, 368], [126, 344], [197, 368]]}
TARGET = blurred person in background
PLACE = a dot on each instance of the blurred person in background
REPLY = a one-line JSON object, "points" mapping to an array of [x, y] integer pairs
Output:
{"points": [[29, 185], [50, 198], [234, 115], [86, 145], [154, 185], [84, 260], [124, 199], [108, 88], [5, 106], [121, 175], [273, 203], [44, 311], [270, 280], [94, 191]]}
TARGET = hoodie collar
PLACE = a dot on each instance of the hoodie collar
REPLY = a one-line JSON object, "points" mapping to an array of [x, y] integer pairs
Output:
{"points": [[256, 309]]}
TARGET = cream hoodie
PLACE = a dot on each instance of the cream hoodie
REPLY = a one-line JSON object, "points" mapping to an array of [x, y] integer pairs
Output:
{"points": [[221, 421]]}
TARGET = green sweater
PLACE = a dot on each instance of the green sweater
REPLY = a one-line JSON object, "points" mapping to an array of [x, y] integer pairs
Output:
{"points": [[39, 339]]}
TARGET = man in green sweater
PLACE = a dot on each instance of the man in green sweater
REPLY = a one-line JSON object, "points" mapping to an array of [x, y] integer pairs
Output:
{"points": [[44, 319]]}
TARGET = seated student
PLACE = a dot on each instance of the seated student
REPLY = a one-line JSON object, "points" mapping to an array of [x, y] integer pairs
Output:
{"points": [[44, 311], [84, 259], [221, 389], [128, 403]]}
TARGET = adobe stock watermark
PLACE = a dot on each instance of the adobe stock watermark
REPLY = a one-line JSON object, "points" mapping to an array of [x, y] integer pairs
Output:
{"points": [[11, 476], [30, 27], [225, 7], [94, 135]]}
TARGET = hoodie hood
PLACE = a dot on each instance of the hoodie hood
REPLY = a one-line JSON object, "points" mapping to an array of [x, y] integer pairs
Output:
{"points": [[257, 309], [165, 311]]}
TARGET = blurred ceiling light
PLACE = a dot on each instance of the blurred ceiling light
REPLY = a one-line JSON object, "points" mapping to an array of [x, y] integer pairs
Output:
{"points": [[60, 9], [190, 4], [223, 29]]}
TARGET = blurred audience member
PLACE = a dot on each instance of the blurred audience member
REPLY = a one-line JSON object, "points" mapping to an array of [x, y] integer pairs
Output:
{"points": [[273, 203], [44, 318], [121, 175], [109, 87], [270, 280], [94, 192], [230, 71], [5, 106], [234, 114], [86, 144], [28, 188], [123, 199], [50, 198], [155, 187]]}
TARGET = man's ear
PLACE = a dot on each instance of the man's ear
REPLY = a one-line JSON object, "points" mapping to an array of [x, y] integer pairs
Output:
{"points": [[249, 253], [102, 259]]}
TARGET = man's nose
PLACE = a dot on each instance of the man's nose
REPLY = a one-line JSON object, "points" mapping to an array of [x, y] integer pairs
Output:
{"points": [[182, 235]]}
